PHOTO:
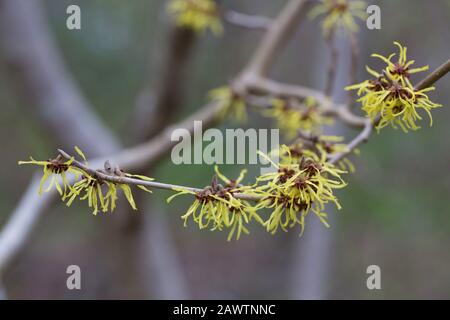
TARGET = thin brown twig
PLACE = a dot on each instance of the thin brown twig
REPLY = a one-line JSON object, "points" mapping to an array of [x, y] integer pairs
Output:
{"points": [[434, 76], [122, 179], [259, 85], [362, 137]]}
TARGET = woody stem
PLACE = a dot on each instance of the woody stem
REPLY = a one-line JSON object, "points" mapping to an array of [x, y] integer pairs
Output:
{"points": [[133, 181]]}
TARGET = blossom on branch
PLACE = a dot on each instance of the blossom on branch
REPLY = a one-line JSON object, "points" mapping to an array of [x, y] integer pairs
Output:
{"points": [[55, 169], [339, 14], [322, 144], [292, 116], [89, 185], [198, 15], [302, 183], [231, 104], [216, 206], [391, 96]]}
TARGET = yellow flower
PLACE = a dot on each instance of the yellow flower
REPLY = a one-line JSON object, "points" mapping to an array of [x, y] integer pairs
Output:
{"points": [[54, 169], [111, 197], [339, 14], [391, 96], [91, 189], [400, 70], [217, 207], [303, 183], [198, 15], [330, 145], [231, 104], [291, 117], [286, 211]]}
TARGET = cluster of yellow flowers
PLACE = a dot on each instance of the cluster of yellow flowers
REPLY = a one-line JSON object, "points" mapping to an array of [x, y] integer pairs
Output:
{"points": [[53, 169], [339, 14], [100, 194], [323, 144], [391, 96], [217, 207], [198, 15], [231, 104], [304, 181], [291, 116]]}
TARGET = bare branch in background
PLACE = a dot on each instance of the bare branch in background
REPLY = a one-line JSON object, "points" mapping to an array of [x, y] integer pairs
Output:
{"points": [[362, 137], [278, 89], [354, 59], [31, 52], [279, 32], [15, 232], [153, 150], [247, 21], [168, 276], [169, 90], [158, 250], [47, 83], [331, 72], [310, 263]]}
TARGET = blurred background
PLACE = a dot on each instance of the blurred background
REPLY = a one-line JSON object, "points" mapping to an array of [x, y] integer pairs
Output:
{"points": [[395, 209]]}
